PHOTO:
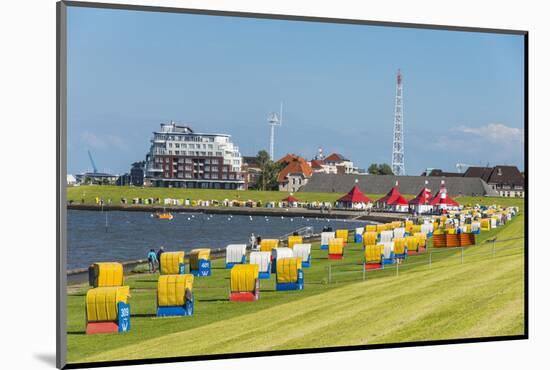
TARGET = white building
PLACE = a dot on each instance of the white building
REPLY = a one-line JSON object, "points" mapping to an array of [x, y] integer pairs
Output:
{"points": [[71, 180], [180, 157], [334, 163]]}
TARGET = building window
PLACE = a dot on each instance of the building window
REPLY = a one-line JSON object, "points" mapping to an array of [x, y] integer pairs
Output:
{"points": [[214, 168]]}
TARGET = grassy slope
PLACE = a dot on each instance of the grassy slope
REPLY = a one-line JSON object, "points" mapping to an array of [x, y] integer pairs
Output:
{"points": [[88, 193], [444, 302]]}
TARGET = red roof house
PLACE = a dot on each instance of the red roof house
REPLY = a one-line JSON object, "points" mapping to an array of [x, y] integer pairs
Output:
{"points": [[295, 173], [289, 158], [316, 164], [335, 157]]}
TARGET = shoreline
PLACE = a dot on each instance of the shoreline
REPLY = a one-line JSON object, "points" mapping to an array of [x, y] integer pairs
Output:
{"points": [[80, 275], [248, 211]]}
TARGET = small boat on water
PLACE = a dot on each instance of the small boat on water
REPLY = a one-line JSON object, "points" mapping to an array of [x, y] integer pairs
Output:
{"points": [[162, 215]]}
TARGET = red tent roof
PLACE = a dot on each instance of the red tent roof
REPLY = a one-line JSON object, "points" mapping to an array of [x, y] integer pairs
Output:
{"points": [[437, 200], [290, 199], [393, 198], [424, 197], [355, 196]]}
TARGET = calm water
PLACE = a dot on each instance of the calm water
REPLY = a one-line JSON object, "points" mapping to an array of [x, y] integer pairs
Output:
{"points": [[129, 235]]}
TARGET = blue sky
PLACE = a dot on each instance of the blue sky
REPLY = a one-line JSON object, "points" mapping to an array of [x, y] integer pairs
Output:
{"points": [[129, 71]]}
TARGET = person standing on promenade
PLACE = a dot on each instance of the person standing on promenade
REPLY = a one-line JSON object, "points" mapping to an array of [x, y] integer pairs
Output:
{"points": [[252, 241], [258, 240], [152, 258], [159, 253]]}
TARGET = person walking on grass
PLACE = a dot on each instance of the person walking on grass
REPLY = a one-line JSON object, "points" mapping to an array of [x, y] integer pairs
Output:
{"points": [[152, 258]]}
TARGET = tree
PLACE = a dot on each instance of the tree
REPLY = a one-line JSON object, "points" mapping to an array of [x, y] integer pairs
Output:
{"points": [[385, 169], [373, 169], [268, 172], [380, 169]]}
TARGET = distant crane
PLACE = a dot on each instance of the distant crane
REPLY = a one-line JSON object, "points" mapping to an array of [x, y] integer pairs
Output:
{"points": [[273, 120], [92, 161]]}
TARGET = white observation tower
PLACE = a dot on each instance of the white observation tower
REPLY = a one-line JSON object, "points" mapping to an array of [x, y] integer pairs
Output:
{"points": [[273, 120]]}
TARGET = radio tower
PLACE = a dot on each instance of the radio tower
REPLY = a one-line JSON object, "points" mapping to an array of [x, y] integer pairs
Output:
{"points": [[398, 153], [273, 120]]}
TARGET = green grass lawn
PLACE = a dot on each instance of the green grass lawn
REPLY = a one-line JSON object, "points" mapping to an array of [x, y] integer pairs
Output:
{"points": [[89, 192], [115, 193], [482, 297]]}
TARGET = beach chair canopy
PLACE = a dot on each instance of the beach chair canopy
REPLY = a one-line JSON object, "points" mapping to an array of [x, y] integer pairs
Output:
{"points": [[102, 303], [171, 289], [234, 253], [170, 262], [261, 259]]}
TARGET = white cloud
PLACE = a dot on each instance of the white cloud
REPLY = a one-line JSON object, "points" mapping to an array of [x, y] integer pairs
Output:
{"points": [[495, 132], [493, 143]]}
